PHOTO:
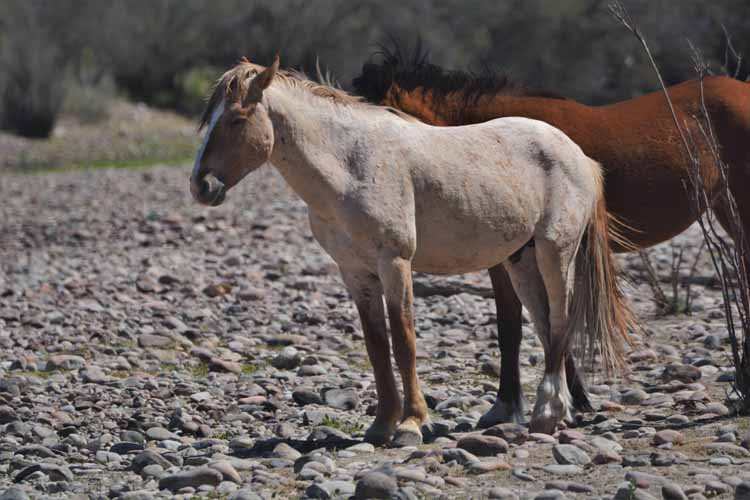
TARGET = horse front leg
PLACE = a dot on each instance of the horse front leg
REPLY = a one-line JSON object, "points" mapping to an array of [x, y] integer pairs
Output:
{"points": [[367, 293], [396, 278]]}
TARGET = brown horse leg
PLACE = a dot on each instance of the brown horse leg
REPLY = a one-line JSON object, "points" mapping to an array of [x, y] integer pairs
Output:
{"points": [[395, 275], [368, 297], [576, 386], [511, 404]]}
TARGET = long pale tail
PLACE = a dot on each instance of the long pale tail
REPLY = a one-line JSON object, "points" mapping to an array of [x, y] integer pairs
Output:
{"points": [[600, 316]]}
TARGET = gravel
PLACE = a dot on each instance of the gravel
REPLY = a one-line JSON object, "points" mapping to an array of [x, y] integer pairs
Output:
{"points": [[151, 346]]}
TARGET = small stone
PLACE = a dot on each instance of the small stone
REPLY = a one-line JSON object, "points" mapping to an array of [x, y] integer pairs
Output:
{"points": [[683, 373], [714, 488], [486, 466], [604, 457], [567, 454], [283, 450], [644, 479], [221, 365], [342, 399], [672, 491], [160, 434], [53, 471], [462, 457], [148, 341], [287, 359], [567, 436], [192, 478], [148, 457], [662, 459], [483, 445], [227, 470], [563, 469], [668, 436], [633, 396], [362, 448], [742, 491], [375, 485], [502, 494], [304, 396], [510, 432], [244, 494], [65, 362], [550, 495], [7, 415], [154, 471], [331, 489], [14, 493]]}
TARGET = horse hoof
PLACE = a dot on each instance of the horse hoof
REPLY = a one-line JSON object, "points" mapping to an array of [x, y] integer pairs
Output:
{"points": [[502, 413], [407, 434], [378, 435], [543, 426], [544, 420]]}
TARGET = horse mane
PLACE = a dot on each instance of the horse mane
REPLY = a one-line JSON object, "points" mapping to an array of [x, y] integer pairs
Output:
{"points": [[326, 87], [412, 71]]}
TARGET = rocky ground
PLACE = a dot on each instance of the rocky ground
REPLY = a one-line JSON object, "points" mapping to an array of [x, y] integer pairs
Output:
{"points": [[151, 347]]}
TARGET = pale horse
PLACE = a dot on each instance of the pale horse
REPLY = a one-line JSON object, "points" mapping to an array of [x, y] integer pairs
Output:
{"points": [[388, 194]]}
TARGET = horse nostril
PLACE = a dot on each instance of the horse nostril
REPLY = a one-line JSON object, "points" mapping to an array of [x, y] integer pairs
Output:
{"points": [[208, 190]]}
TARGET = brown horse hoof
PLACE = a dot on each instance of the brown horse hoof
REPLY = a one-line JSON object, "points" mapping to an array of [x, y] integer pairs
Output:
{"points": [[379, 435], [503, 412], [407, 434]]}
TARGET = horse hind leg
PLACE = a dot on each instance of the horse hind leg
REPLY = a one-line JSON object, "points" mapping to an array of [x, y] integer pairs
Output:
{"points": [[545, 294], [553, 401], [510, 404]]}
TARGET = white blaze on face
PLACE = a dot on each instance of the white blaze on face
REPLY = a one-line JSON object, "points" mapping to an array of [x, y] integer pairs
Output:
{"points": [[214, 119]]}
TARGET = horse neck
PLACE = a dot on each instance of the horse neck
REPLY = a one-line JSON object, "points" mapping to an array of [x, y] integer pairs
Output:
{"points": [[310, 140]]}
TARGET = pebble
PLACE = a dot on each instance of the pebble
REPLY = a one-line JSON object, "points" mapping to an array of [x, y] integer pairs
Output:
{"points": [[499, 493], [567, 454], [672, 491], [333, 489], [668, 436], [510, 432], [375, 485], [119, 373], [483, 445], [192, 478], [342, 399]]}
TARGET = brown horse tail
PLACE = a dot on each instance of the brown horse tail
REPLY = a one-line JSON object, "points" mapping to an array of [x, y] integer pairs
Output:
{"points": [[600, 317]]}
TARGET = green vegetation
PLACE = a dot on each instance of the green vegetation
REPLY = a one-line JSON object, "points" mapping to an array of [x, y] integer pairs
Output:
{"points": [[249, 369], [200, 370], [347, 427]]}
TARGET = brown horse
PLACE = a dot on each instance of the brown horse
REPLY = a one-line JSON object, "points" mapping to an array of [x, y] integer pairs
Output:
{"points": [[636, 141]]}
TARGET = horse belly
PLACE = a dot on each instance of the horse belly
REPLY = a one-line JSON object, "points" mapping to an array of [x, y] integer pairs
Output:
{"points": [[451, 244]]}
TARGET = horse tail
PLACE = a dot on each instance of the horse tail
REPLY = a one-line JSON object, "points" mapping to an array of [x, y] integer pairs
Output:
{"points": [[600, 317]]}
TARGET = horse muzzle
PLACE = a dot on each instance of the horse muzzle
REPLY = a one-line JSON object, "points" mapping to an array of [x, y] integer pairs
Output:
{"points": [[208, 190]]}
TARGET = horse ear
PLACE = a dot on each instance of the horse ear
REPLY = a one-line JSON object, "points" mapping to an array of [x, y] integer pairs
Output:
{"points": [[261, 82]]}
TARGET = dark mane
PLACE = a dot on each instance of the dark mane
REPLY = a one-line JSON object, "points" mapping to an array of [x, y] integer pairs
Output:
{"points": [[411, 71]]}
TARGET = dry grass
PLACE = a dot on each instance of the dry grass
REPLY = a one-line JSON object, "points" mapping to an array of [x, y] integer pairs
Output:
{"points": [[128, 135]]}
